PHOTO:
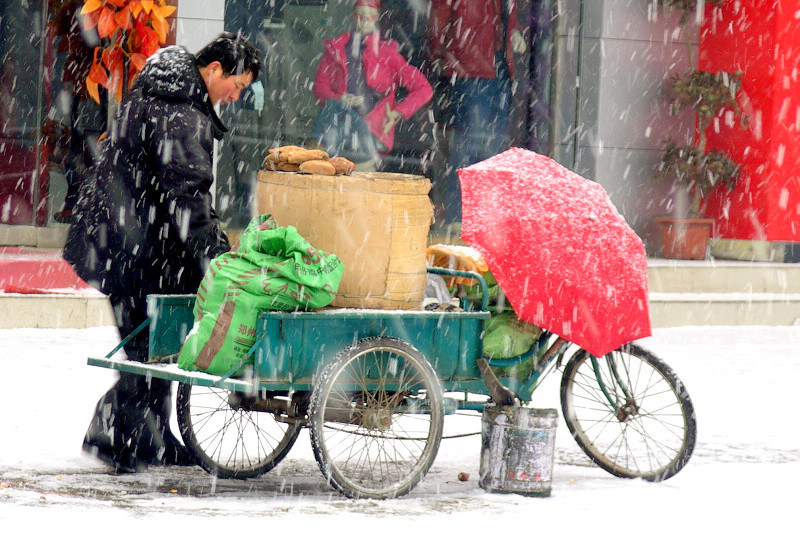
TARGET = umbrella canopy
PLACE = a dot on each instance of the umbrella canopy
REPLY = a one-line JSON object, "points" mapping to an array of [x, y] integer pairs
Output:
{"points": [[564, 256]]}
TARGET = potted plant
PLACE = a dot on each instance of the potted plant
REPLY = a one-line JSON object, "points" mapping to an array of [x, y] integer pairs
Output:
{"points": [[694, 167]]}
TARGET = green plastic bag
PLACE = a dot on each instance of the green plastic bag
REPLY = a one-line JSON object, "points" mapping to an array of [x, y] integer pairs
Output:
{"points": [[497, 303], [271, 268], [506, 336]]}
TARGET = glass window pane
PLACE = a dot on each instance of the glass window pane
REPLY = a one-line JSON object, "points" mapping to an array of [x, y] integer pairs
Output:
{"points": [[483, 109]]}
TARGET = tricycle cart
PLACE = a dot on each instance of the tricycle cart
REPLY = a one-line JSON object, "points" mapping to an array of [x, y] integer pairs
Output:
{"points": [[373, 387]]}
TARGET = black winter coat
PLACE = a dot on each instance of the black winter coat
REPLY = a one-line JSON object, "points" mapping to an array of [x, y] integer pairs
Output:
{"points": [[144, 221]]}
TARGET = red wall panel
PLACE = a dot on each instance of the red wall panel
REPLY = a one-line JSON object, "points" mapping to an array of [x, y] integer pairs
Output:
{"points": [[762, 38]]}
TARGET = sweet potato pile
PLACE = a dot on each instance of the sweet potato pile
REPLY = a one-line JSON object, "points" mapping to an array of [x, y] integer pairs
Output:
{"points": [[292, 158]]}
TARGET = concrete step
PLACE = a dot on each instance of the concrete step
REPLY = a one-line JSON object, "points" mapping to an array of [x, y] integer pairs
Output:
{"points": [[82, 310], [39, 290], [720, 309], [723, 293], [666, 310], [672, 276]]}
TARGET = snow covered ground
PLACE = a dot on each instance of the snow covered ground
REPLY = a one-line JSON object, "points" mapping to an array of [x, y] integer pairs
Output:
{"points": [[743, 475]]}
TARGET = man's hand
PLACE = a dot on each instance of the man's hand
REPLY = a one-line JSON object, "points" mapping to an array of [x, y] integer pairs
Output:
{"points": [[392, 116], [518, 44], [351, 100]]}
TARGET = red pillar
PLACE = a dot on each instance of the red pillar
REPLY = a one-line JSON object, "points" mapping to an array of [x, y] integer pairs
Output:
{"points": [[762, 38]]}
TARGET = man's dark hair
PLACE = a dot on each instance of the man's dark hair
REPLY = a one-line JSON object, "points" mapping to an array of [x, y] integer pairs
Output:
{"points": [[234, 53]]}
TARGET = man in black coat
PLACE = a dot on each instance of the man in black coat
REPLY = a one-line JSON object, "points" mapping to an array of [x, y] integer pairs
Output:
{"points": [[145, 224]]}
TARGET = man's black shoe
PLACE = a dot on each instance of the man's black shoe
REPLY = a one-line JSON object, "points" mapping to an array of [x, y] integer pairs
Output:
{"points": [[176, 454], [121, 462]]}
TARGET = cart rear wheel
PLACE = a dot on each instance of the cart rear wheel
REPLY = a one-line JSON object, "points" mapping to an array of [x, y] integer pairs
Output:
{"points": [[227, 439], [629, 412], [376, 418]]}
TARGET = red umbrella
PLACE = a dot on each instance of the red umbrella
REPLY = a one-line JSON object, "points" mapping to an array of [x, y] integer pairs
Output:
{"points": [[563, 255]]}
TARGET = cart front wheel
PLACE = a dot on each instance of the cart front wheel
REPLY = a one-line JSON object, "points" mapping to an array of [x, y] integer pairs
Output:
{"points": [[229, 439], [376, 418], [629, 412]]}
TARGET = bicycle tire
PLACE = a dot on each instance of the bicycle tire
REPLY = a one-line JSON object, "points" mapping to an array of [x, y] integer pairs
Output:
{"points": [[229, 441], [376, 418], [637, 420]]}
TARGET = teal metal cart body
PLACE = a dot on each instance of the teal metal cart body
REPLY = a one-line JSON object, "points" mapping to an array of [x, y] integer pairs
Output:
{"points": [[373, 387], [292, 347]]}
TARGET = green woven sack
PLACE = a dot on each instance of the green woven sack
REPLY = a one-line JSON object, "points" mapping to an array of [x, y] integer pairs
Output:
{"points": [[271, 268]]}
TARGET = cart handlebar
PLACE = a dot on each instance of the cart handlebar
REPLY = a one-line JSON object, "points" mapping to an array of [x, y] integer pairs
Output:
{"points": [[466, 274]]}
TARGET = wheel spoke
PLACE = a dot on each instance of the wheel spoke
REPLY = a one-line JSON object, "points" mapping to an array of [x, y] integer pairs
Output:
{"points": [[366, 439], [229, 441], [627, 414]]}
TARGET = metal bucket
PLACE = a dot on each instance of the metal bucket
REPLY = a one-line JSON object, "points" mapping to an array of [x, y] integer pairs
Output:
{"points": [[517, 449]]}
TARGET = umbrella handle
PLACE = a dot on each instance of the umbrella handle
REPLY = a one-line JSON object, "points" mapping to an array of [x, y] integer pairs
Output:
{"points": [[466, 274]]}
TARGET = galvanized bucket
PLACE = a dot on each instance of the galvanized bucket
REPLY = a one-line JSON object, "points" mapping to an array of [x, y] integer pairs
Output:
{"points": [[517, 449]]}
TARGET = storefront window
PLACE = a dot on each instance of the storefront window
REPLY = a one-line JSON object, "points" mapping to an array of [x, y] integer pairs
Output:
{"points": [[283, 109], [48, 124], [22, 155]]}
